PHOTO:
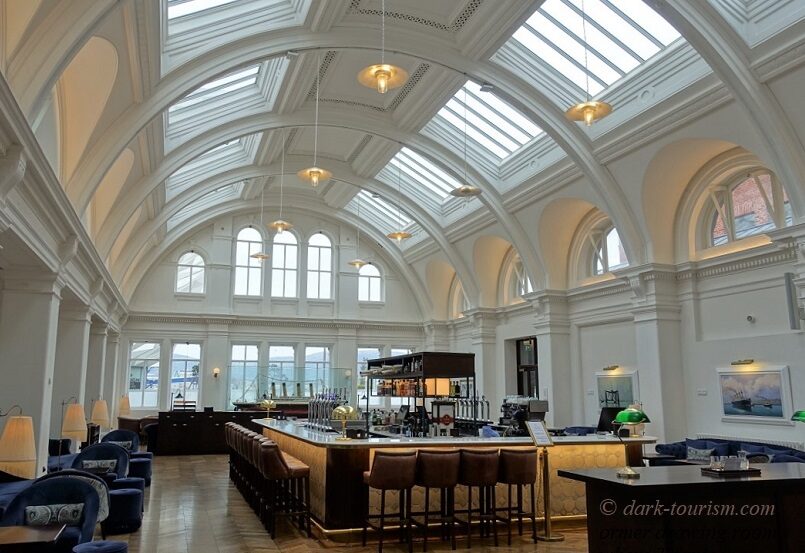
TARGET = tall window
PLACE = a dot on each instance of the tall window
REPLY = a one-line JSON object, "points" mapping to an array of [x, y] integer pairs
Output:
{"points": [[284, 263], [243, 373], [248, 270], [190, 274], [185, 367], [522, 284], [319, 267], [753, 204], [144, 374], [281, 363], [369, 284], [364, 354], [317, 366], [609, 253]]}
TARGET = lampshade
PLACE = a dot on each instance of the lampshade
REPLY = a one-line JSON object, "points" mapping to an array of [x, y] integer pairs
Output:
{"points": [[124, 407], [631, 416], [799, 416], [100, 413], [75, 423], [17, 448]]}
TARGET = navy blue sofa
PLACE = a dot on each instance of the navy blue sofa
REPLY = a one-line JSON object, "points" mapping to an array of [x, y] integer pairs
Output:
{"points": [[10, 486], [776, 454]]}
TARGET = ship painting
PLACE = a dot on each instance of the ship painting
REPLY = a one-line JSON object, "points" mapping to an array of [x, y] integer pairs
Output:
{"points": [[753, 394]]}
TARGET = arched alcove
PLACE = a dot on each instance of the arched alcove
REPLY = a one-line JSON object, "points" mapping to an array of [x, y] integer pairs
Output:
{"points": [[488, 255]]}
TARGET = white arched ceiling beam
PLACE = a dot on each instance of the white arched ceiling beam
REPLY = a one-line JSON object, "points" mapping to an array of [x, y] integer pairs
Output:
{"points": [[236, 207], [330, 116], [729, 57], [46, 50], [533, 103], [143, 234]]}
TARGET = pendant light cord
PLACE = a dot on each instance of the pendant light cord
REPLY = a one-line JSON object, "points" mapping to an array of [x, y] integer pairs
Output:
{"points": [[383, 32], [358, 241], [465, 134], [282, 171], [584, 37], [262, 203], [316, 127], [399, 197]]}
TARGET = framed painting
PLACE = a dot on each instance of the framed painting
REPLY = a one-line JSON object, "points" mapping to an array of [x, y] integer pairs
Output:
{"points": [[755, 395], [617, 389]]}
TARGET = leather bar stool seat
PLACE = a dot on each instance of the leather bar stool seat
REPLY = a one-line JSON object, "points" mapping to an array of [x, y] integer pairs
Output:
{"points": [[479, 469], [286, 488], [391, 471], [439, 470], [518, 467]]}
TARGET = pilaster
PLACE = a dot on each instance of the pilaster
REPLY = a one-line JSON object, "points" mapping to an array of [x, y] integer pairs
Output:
{"points": [[72, 347], [111, 380], [96, 364], [489, 378]]}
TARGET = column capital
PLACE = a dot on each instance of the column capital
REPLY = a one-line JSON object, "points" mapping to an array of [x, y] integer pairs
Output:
{"points": [[71, 310], [550, 310], [12, 170], [99, 328], [113, 337], [33, 280], [650, 284]]}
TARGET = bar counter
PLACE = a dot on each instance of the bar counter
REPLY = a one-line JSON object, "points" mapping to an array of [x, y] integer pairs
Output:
{"points": [[338, 498]]}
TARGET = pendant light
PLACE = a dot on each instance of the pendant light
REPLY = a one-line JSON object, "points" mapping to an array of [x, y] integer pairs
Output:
{"points": [[280, 225], [465, 190], [357, 262], [382, 76], [590, 110], [399, 235], [315, 174], [261, 255]]}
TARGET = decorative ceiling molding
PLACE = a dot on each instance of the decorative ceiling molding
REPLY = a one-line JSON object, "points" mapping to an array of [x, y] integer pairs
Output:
{"points": [[454, 27]]}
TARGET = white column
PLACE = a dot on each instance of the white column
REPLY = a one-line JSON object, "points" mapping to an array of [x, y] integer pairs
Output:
{"points": [[165, 374], [489, 378], [111, 377], [552, 330], [96, 365], [215, 354], [29, 321], [70, 373]]}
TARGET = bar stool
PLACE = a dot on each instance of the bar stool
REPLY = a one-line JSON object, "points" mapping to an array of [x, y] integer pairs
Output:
{"points": [[518, 467], [479, 469], [438, 469], [286, 488], [391, 471]]}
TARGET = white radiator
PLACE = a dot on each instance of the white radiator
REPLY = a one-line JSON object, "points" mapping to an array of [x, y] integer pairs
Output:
{"points": [[782, 443]]}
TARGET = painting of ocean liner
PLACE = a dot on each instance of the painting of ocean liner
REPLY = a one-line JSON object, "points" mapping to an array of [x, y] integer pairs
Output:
{"points": [[755, 394]]}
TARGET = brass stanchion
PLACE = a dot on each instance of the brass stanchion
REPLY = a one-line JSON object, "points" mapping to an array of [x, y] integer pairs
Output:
{"points": [[546, 501]]}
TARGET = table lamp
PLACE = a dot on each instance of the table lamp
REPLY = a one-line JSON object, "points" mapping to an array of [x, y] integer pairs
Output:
{"points": [[100, 413], [631, 416], [798, 416], [17, 447], [124, 407], [74, 425]]}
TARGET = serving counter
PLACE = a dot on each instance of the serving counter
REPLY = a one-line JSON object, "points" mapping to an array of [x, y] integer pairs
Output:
{"points": [[338, 496]]}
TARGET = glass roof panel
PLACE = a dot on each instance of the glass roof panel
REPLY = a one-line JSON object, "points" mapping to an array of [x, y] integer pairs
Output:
{"points": [[217, 88], [219, 195], [490, 122], [178, 8], [383, 209], [417, 170], [620, 35]]}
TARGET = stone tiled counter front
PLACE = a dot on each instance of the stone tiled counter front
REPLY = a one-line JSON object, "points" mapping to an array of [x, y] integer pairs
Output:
{"points": [[338, 496]]}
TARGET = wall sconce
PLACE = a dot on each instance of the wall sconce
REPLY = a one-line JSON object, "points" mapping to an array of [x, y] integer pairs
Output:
{"points": [[743, 362], [611, 367], [215, 372]]}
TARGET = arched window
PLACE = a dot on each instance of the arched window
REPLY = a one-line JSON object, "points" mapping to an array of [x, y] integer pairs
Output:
{"points": [[248, 269], [753, 204], [609, 252], [370, 284], [284, 264], [319, 267], [522, 284], [458, 302], [190, 274]]}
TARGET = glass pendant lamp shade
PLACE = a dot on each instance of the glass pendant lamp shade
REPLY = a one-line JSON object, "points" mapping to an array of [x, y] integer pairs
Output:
{"points": [[357, 262], [100, 413], [17, 447], [279, 225], [75, 423], [124, 407], [399, 235], [315, 175], [383, 77], [466, 191], [588, 112]]}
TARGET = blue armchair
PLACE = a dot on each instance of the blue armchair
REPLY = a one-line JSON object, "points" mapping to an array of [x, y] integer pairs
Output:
{"points": [[55, 491], [104, 452], [139, 461]]}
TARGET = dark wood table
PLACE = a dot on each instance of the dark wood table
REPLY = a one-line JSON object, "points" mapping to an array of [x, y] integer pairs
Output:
{"points": [[677, 509], [14, 539]]}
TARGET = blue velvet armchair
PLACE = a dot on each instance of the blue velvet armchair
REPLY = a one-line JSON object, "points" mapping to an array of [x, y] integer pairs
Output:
{"points": [[55, 491], [104, 452]]}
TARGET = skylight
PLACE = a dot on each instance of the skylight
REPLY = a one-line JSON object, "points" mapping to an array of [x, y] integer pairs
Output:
{"points": [[621, 35], [217, 88], [219, 195], [382, 209], [419, 172], [178, 8], [490, 122]]}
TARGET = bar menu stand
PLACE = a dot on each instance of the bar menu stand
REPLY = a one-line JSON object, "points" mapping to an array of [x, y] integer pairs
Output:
{"points": [[542, 439]]}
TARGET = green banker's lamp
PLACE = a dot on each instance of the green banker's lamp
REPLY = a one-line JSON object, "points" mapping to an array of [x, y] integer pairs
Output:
{"points": [[631, 416], [798, 416]]}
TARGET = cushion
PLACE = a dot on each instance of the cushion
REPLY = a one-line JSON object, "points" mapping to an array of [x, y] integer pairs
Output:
{"points": [[102, 547], [718, 448], [783, 458], [697, 455], [61, 513], [100, 464], [124, 445]]}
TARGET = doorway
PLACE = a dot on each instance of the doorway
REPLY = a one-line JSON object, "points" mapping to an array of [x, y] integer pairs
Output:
{"points": [[527, 374]]}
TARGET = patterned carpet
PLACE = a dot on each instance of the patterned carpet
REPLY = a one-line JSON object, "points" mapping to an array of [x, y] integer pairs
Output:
{"points": [[191, 507]]}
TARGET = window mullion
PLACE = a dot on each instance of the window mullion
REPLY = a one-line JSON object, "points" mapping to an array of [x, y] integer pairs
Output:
{"points": [[766, 199], [565, 55], [721, 208], [634, 24]]}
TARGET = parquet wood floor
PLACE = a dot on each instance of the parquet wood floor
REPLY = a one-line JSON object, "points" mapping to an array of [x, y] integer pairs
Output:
{"points": [[191, 507]]}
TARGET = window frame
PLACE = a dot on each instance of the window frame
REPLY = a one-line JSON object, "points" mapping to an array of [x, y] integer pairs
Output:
{"points": [[158, 360], [319, 272], [193, 269], [326, 368], [281, 271], [370, 278], [282, 363], [198, 376], [255, 264], [600, 253], [242, 368]]}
